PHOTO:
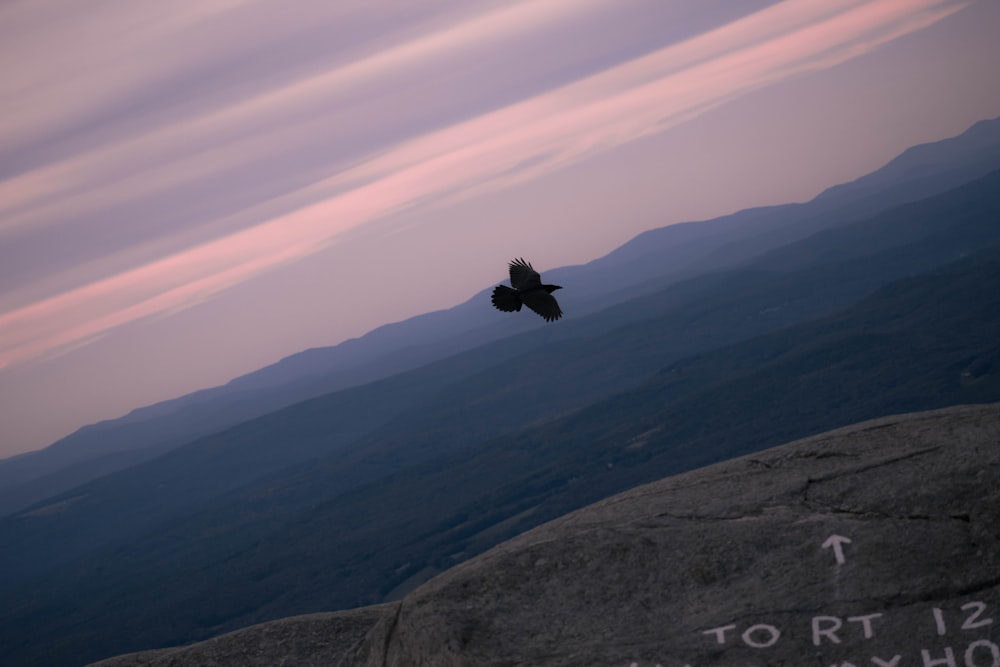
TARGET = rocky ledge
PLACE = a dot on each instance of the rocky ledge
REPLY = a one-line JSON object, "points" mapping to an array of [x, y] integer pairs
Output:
{"points": [[876, 544]]}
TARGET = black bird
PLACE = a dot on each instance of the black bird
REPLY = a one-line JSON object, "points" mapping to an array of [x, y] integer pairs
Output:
{"points": [[529, 291]]}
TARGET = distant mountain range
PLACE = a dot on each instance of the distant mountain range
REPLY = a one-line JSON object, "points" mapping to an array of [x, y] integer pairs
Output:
{"points": [[697, 343], [651, 261]]}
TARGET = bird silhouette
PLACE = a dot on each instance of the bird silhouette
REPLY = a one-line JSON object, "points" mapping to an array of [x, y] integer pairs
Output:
{"points": [[527, 290]]}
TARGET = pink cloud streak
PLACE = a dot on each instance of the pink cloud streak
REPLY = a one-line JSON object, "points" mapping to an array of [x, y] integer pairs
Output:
{"points": [[87, 181], [510, 145]]}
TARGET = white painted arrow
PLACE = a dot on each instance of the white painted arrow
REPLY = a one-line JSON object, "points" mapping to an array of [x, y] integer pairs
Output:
{"points": [[837, 542]]}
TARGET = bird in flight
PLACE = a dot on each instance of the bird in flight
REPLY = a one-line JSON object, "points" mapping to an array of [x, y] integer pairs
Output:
{"points": [[527, 290]]}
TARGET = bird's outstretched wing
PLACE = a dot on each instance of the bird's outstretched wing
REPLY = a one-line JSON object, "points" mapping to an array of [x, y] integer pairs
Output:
{"points": [[542, 303], [523, 276]]}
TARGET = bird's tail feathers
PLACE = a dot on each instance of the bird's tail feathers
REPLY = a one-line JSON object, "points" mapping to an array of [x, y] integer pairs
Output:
{"points": [[506, 299]]}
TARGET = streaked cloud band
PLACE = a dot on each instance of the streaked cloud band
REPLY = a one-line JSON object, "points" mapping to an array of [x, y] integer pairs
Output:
{"points": [[516, 142]]}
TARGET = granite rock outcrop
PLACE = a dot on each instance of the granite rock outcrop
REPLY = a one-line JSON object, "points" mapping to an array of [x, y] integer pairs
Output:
{"points": [[874, 544]]}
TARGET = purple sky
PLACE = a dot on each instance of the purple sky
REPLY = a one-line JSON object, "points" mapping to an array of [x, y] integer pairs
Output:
{"points": [[191, 190]]}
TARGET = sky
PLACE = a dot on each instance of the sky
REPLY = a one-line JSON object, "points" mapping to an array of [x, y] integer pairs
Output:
{"points": [[191, 190]]}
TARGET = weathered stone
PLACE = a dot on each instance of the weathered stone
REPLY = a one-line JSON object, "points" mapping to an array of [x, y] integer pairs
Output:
{"points": [[876, 544], [312, 640]]}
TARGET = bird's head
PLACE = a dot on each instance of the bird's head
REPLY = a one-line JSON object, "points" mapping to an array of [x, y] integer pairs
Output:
{"points": [[551, 288]]}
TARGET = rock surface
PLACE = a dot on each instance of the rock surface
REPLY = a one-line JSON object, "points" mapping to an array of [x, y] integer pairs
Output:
{"points": [[875, 544], [312, 640]]}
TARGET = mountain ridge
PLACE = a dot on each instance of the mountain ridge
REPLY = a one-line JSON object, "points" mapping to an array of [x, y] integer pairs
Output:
{"points": [[387, 425], [113, 444]]}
